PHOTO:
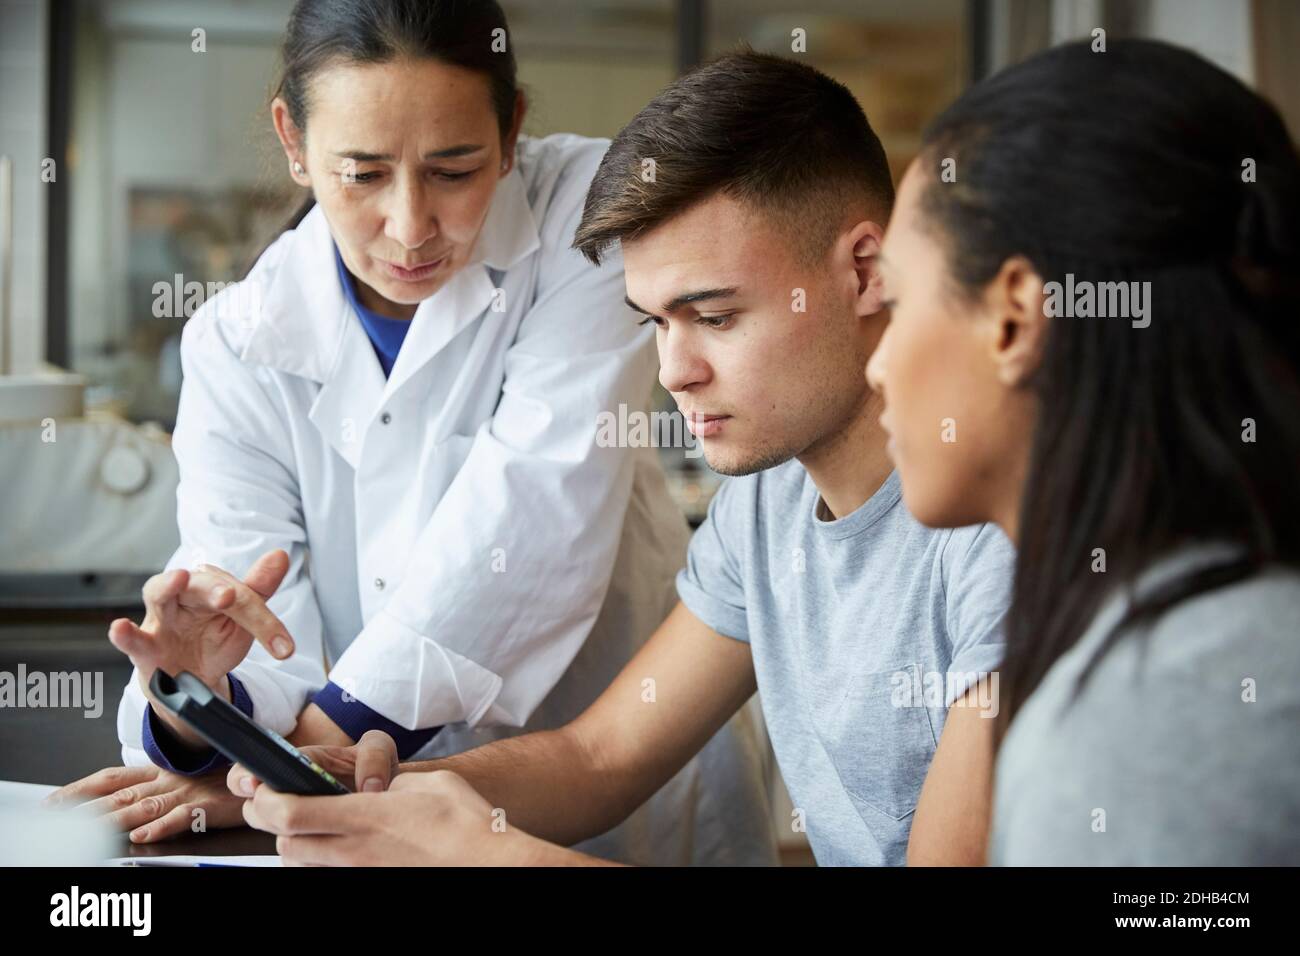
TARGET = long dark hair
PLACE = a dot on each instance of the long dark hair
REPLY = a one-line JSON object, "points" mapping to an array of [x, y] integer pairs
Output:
{"points": [[1132, 165], [460, 32]]}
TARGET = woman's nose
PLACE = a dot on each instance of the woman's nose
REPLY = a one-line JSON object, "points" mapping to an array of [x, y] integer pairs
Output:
{"points": [[411, 220], [875, 370]]}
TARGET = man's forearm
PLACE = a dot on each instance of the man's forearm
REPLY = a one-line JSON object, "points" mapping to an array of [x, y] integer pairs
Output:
{"points": [[548, 784]]}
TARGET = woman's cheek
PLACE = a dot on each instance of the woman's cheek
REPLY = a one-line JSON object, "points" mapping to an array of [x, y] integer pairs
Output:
{"points": [[924, 446], [460, 224]]}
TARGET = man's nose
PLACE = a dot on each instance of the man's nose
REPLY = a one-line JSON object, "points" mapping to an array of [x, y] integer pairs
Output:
{"points": [[680, 363]]}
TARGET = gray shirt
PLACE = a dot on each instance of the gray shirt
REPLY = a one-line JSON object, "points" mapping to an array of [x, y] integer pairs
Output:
{"points": [[1184, 747], [863, 631]]}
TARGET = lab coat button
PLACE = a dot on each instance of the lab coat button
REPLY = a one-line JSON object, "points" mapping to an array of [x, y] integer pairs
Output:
{"points": [[385, 418], [379, 584]]}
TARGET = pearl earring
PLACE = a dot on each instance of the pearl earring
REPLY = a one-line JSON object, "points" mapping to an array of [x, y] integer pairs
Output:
{"points": [[297, 168]]}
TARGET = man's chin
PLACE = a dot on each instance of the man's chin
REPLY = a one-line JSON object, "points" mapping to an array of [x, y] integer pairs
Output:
{"points": [[735, 463]]}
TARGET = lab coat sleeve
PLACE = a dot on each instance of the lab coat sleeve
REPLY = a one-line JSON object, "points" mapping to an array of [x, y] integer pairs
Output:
{"points": [[238, 498], [510, 572]]}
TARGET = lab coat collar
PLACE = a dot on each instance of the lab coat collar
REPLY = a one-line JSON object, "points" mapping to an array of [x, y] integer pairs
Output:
{"points": [[509, 232], [306, 326]]}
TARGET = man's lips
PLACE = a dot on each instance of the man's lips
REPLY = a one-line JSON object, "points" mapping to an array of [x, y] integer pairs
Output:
{"points": [[704, 426]]}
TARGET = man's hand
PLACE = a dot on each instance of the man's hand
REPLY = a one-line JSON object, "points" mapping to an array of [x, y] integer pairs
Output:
{"points": [[366, 766], [424, 819], [204, 622], [152, 803]]}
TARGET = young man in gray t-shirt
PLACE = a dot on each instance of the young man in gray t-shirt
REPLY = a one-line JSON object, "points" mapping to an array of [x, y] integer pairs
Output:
{"points": [[855, 625], [871, 640]]}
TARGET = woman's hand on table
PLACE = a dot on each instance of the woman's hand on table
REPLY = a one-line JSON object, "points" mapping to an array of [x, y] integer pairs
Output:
{"points": [[153, 804]]}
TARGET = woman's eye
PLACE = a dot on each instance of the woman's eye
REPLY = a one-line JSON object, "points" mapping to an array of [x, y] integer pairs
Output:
{"points": [[371, 177]]}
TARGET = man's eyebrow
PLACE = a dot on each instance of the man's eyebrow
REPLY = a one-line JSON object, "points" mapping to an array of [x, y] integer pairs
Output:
{"points": [[687, 298], [451, 152]]}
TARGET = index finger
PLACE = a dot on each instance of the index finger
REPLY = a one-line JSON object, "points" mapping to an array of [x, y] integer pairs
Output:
{"points": [[337, 761], [100, 783], [286, 814], [248, 609]]}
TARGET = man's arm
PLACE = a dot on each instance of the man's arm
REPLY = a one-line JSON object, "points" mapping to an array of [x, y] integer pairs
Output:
{"points": [[950, 827], [576, 782]]}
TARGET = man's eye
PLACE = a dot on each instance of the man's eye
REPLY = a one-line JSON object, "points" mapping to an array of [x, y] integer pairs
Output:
{"points": [[715, 321], [652, 318], [360, 177], [452, 177]]}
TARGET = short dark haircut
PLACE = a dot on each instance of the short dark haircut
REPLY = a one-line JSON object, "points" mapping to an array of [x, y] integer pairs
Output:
{"points": [[767, 131]]}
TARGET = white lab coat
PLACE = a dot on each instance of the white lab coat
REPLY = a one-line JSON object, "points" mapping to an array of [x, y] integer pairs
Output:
{"points": [[463, 553]]}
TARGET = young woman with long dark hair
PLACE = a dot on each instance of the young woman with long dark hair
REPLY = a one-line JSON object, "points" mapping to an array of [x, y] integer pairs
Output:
{"points": [[1094, 269]]}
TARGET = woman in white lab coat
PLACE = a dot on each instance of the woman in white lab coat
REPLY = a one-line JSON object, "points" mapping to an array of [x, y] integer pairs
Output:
{"points": [[403, 396]]}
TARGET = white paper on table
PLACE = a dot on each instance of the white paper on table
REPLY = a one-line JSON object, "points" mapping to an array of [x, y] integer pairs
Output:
{"points": [[27, 794], [22, 803], [32, 835], [182, 860]]}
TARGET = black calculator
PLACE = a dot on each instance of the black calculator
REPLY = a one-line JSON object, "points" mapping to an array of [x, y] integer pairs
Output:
{"points": [[270, 758]]}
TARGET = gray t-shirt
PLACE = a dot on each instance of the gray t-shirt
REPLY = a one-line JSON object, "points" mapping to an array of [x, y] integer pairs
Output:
{"points": [[863, 631], [1182, 748]]}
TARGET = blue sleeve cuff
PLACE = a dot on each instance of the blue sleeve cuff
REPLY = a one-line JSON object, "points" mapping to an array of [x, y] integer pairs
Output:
{"points": [[355, 718], [169, 753]]}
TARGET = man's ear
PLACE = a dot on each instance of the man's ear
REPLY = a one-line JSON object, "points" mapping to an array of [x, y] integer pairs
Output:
{"points": [[291, 139], [864, 243], [1017, 322]]}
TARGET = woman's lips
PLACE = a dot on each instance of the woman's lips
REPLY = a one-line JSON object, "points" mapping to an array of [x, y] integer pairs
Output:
{"points": [[705, 426], [417, 274]]}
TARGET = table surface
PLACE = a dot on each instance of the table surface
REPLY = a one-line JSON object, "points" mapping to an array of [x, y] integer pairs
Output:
{"points": [[236, 841]]}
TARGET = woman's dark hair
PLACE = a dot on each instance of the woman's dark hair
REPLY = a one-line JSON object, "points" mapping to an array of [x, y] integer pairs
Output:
{"points": [[1144, 163], [467, 33]]}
